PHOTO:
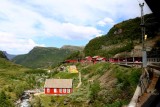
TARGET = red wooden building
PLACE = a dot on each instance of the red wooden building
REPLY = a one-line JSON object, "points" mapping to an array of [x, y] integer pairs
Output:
{"points": [[101, 59], [70, 61], [58, 86], [88, 58]]}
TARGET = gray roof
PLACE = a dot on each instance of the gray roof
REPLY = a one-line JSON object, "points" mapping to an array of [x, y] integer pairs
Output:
{"points": [[58, 83]]}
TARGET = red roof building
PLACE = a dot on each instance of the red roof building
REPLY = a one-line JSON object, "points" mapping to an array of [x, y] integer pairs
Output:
{"points": [[58, 86], [70, 61], [88, 58], [101, 59]]}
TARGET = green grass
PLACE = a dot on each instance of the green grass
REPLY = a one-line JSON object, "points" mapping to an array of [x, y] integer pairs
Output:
{"points": [[65, 75], [14, 79], [92, 94]]}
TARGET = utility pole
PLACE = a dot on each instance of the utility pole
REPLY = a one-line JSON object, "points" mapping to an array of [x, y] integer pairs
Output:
{"points": [[144, 54]]}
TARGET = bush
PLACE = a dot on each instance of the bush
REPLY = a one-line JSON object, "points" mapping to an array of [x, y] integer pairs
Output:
{"points": [[117, 104], [4, 101], [93, 91], [36, 71]]}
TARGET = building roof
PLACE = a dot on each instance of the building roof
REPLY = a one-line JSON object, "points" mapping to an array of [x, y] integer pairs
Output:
{"points": [[99, 59], [88, 57], [58, 83], [95, 56]]}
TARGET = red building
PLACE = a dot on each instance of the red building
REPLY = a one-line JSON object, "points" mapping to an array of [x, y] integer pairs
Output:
{"points": [[58, 86], [70, 61], [88, 59], [94, 59], [113, 60], [101, 59]]}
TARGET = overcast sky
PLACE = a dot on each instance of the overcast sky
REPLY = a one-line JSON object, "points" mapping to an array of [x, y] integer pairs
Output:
{"points": [[54, 23]]}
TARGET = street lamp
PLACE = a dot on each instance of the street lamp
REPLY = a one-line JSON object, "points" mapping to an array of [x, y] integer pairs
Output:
{"points": [[144, 54]]}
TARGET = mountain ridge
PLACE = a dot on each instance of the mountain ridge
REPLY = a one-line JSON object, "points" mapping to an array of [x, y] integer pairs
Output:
{"points": [[78, 48], [43, 57]]}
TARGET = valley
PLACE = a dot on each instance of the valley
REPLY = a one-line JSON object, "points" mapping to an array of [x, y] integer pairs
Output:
{"points": [[92, 83]]}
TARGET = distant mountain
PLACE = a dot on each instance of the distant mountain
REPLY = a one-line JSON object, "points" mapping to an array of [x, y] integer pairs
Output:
{"points": [[43, 57], [70, 47], [9, 56]]}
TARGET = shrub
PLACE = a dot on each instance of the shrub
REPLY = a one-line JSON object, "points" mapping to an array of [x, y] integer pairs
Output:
{"points": [[4, 101], [93, 91]]}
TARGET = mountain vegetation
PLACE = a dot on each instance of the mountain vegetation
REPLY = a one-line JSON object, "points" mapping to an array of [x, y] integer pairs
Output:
{"points": [[76, 55], [70, 47], [122, 37], [43, 57], [15, 79], [103, 85]]}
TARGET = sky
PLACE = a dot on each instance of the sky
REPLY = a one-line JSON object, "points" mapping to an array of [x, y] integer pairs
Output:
{"points": [[25, 24]]}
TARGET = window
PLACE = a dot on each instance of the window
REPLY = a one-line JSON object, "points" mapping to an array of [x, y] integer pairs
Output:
{"points": [[68, 90], [60, 90], [64, 90], [48, 90], [55, 90]]}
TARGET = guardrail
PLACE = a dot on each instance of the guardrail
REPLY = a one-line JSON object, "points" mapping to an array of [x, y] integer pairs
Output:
{"points": [[144, 82], [153, 59]]}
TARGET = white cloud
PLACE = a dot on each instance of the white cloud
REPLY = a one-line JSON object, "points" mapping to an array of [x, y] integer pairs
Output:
{"points": [[99, 35], [77, 32], [67, 19], [15, 45], [28, 23], [106, 21]]}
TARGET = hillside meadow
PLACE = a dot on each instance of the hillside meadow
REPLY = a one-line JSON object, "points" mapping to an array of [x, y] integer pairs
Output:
{"points": [[103, 84], [15, 79]]}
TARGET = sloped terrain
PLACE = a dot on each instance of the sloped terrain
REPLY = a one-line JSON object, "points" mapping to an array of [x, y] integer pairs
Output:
{"points": [[14, 80], [103, 85], [122, 37]]}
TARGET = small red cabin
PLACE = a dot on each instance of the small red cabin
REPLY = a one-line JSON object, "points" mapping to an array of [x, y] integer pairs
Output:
{"points": [[58, 86]]}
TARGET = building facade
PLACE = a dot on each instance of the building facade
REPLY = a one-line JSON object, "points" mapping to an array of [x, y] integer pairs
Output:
{"points": [[58, 86]]}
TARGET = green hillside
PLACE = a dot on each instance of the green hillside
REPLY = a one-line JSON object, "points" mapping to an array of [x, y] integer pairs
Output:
{"points": [[121, 37], [43, 57], [103, 85], [14, 80], [70, 47]]}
